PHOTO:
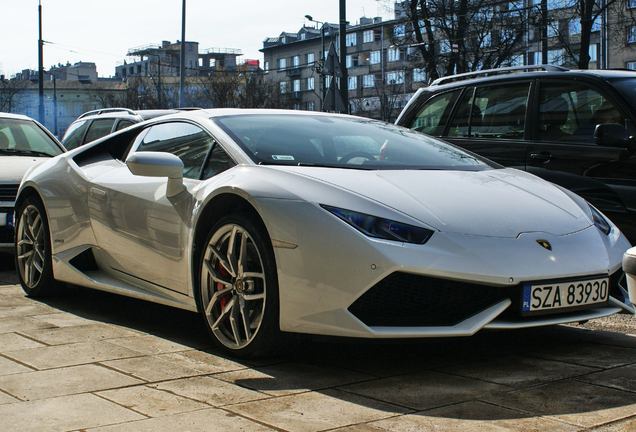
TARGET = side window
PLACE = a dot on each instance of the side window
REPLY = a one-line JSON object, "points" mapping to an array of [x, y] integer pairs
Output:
{"points": [[189, 142], [124, 124], [99, 128], [570, 112], [218, 162], [433, 114], [74, 134], [492, 112]]}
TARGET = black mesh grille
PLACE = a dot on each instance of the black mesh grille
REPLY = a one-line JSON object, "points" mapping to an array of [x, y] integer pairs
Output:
{"points": [[408, 300], [6, 234], [8, 192]]}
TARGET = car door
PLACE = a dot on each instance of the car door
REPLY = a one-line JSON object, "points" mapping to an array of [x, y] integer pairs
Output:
{"points": [[143, 232], [562, 148]]}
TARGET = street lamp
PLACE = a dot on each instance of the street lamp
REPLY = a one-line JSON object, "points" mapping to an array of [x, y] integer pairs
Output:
{"points": [[322, 58]]}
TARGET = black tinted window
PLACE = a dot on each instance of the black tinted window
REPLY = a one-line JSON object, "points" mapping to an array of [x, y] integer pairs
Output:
{"points": [[99, 128], [190, 143], [218, 162], [431, 118], [492, 112], [74, 134], [339, 141]]}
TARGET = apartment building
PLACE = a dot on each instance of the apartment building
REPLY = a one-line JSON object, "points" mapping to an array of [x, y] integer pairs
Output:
{"points": [[380, 80]]}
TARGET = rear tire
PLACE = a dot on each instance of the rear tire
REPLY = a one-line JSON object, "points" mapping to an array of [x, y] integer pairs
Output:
{"points": [[33, 250], [238, 288]]}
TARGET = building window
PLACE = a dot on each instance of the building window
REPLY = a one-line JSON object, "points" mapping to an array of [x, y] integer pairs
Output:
{"points": [[631, 38], [555, 57], [283, 39], [398, 31], [61, 110], [353, 83], [311, 106], [303, 36], [393, 54], [282, 64], [352, 61], [297, 106], [213, 63], [310, 83], [296, 61], [395, 77], [631, 4], [266, 66], [575, 27], [444, 46], [593, 52], [310, 58], [78, 110], [296, 85], [367, 35], [283, 87], [368, 81], [327, 81], [419, 75], [351, 39], [553, 29], [374, 57], [631, 65]]}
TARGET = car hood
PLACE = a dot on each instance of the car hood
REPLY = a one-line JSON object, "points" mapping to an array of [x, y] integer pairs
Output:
{"points": [[13, 168], [496, 203]]}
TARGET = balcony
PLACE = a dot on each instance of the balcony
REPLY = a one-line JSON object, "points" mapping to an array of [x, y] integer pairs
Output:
{"points": [[293, 72]]}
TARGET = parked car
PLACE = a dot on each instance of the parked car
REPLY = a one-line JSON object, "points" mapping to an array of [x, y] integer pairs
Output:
{"points": [[98, 123], [272, 221], [575, 128], [24, 143]]}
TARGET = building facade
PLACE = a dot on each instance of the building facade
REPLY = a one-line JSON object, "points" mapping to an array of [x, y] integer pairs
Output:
{"points": [[380, 80], [165, 60]]}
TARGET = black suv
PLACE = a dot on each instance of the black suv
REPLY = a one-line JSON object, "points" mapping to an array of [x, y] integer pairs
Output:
{"points": [[98, 123], [574, 128]]}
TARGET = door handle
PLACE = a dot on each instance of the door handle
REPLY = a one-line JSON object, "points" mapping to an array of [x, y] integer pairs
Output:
{"points": [[543, 157]]}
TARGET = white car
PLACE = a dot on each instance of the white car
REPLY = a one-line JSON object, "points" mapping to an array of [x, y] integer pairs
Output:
{"points": [[23, 144], [271, 222]]}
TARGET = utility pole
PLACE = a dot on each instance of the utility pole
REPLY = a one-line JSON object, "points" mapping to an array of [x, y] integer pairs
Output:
{"points": [[41, 69], [182, 68], [544, 32], [344, 79]]}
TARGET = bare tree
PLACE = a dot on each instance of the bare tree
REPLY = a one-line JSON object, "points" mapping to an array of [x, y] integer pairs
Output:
{"points": [[573, 23], [11, 94], [454, 36]]}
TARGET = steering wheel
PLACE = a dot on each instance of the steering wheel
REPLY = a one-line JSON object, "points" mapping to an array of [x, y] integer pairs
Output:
{"points": [[356, 154]]}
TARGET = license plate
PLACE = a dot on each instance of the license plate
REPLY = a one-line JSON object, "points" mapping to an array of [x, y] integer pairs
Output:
{"points": [[562, 295]]}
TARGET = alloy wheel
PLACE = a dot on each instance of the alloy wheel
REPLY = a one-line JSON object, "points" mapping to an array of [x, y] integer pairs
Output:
{"points": [[233, 286], [30, 242]]}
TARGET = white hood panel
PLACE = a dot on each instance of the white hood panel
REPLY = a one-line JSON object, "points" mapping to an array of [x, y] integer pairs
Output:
{"points": [[495, 203], [13, 168]]}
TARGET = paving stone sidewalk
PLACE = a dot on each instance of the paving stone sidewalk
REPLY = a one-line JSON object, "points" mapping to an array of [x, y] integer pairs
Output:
{"points": [[91, 361]]}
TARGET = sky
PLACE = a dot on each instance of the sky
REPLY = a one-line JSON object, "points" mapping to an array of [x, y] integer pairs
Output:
{"points": [[102, 31]]}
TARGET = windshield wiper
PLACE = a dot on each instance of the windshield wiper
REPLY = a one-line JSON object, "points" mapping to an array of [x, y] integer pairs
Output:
{"points": [[19, 152]]}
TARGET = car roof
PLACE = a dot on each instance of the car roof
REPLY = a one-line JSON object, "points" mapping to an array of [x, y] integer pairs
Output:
{"points": [[15, 116], [517, 72], [139, 115]]}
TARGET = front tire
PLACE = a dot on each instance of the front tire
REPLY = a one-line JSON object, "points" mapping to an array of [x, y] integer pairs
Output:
{"points": [[33, 250], [238, 289]]}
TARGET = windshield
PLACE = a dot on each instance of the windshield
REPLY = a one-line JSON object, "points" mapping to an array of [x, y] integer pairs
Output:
{"points": [[25, 138], [627, 87], [341, 141]]}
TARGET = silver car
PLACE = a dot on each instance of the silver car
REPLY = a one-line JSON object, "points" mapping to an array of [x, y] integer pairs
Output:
{"points": [[24, 143], [269, 222]]}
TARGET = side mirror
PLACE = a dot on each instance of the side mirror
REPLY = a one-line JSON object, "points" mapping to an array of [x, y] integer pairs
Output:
{"points": [[158, 164], [612, 135]]}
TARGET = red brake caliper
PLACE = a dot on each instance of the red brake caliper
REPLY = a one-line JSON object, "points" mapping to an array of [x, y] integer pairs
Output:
{"points": [[222, 272]]}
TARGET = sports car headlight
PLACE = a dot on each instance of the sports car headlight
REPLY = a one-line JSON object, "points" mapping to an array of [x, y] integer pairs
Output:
{"points": [[600, 221], [377, 227]]}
